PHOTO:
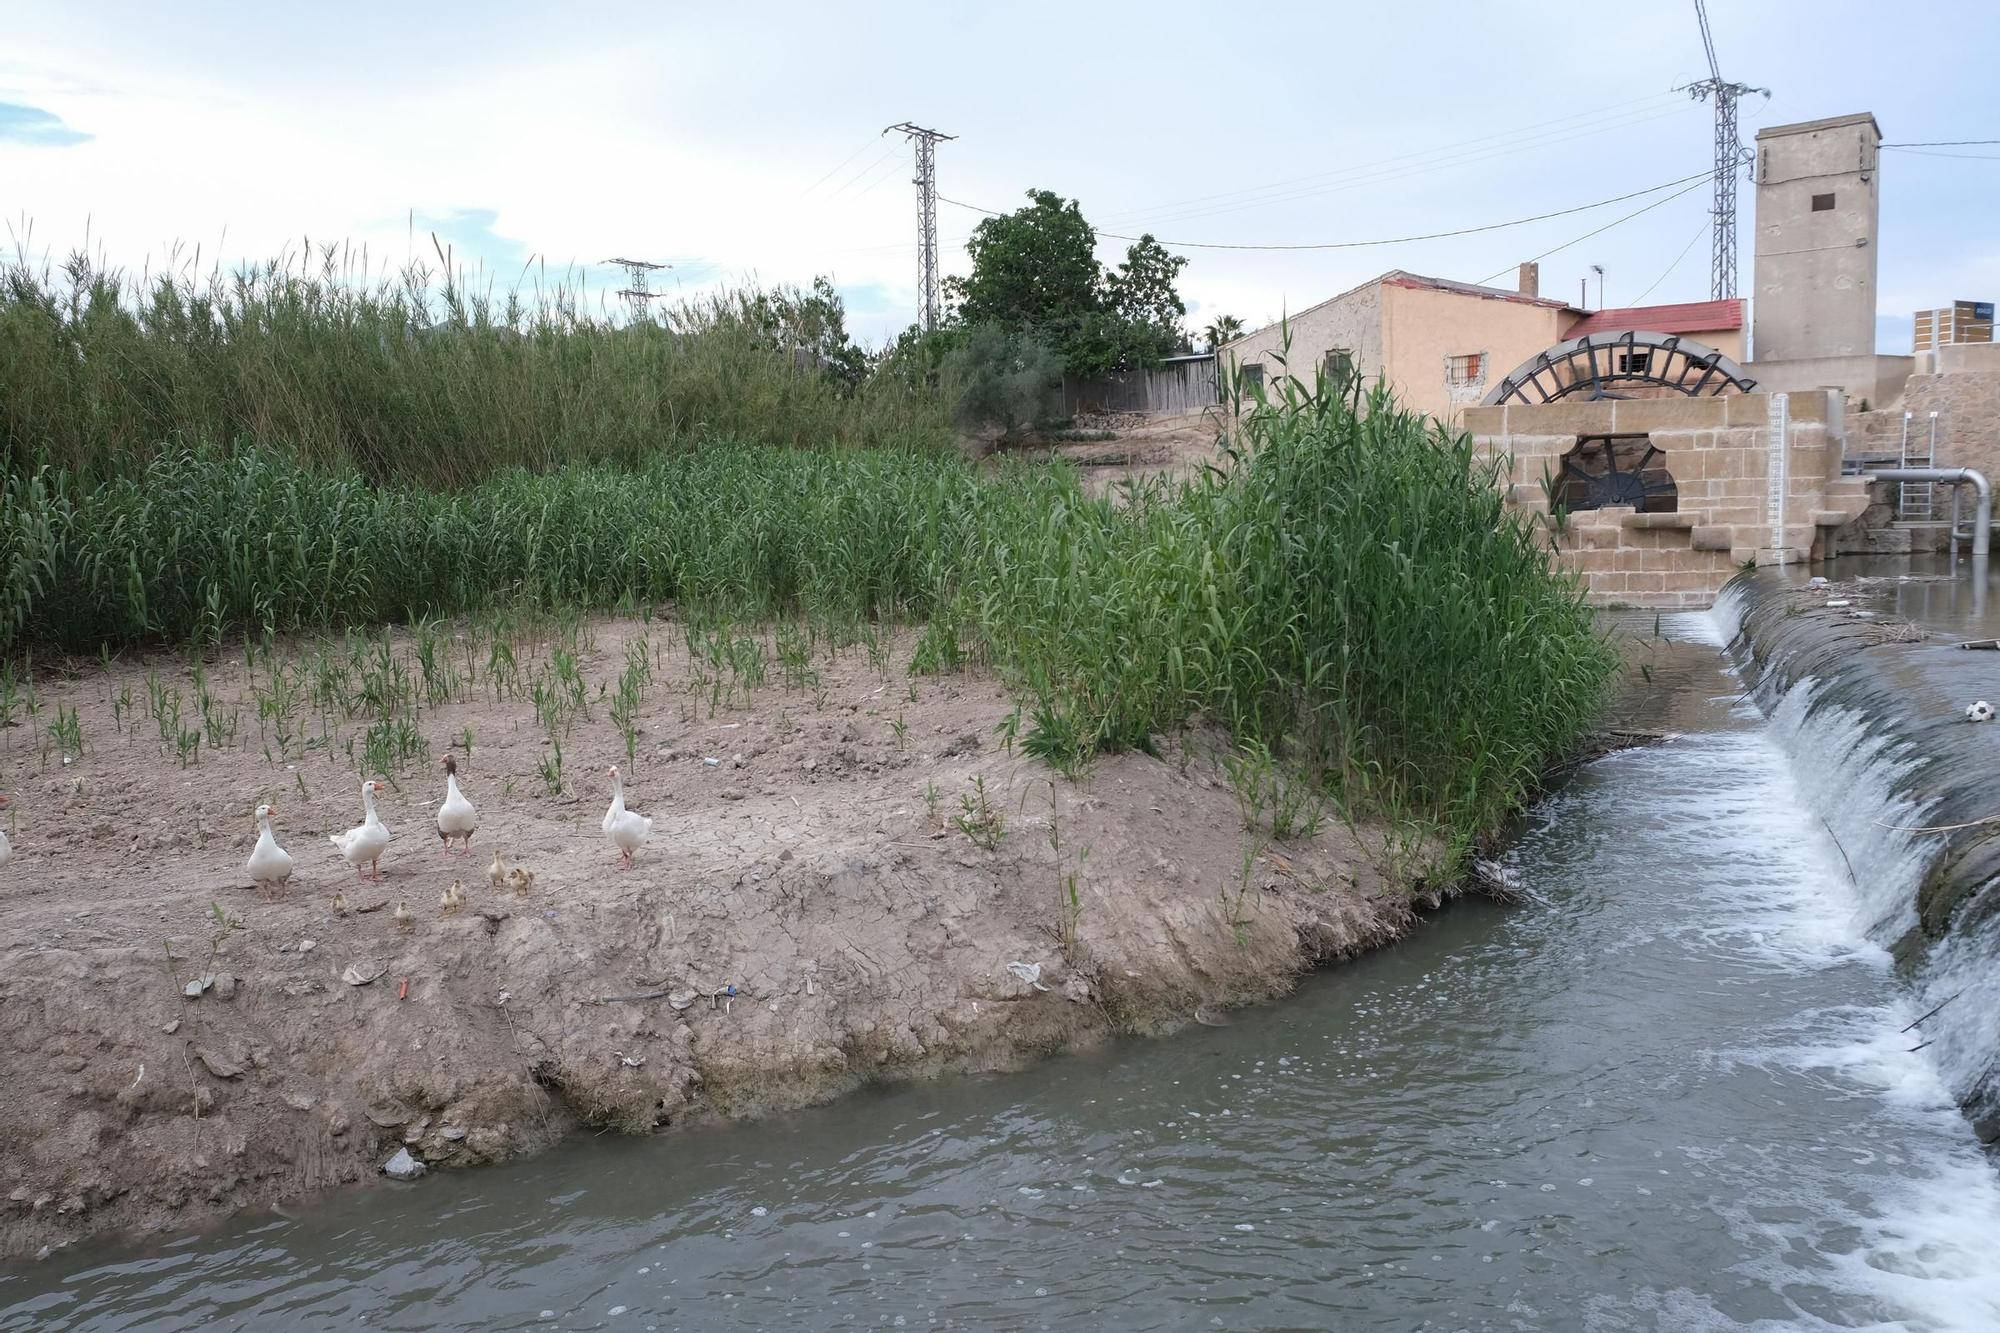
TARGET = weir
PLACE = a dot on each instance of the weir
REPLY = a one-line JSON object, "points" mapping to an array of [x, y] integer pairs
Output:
{"points": [[1869, 694]]}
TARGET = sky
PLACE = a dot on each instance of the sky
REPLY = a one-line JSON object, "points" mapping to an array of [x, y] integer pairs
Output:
{"points": [[742, 144]]}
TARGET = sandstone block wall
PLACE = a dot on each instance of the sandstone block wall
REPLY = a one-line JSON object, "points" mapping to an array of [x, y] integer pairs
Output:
{"points": [[1718, 451]]}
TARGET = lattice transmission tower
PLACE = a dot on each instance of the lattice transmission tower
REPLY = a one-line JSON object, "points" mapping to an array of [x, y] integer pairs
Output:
{"points": [[636, 291], [926, 183], [1730, 156]]}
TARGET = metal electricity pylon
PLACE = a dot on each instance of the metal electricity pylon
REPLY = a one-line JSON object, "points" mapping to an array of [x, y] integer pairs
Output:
{"points": [[637, 293], [926, 183], [1730, 154]]}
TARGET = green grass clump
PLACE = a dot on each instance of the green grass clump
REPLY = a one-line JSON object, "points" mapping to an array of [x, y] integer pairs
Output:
{"points": [[1348, 597]]}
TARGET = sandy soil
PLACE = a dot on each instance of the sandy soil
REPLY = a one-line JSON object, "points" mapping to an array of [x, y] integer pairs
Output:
{"points": [[804, 852]]}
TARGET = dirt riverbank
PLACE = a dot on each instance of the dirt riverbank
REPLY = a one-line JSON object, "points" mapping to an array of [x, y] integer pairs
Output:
{"points": [[854, 850]]}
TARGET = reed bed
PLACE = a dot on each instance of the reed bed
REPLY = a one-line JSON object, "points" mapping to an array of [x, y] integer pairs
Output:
{"points": [[415, 377], [1348, 598]]}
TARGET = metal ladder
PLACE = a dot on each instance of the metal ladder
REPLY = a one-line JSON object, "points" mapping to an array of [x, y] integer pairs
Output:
{"points": [[1916, 501]]}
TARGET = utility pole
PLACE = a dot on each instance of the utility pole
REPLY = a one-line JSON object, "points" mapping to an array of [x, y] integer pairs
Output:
{"points": [[1730, 154], [926, 183], [637, 293]]}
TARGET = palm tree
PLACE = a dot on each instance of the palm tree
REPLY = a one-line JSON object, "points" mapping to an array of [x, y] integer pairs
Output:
{"points": [[1226, 328]]}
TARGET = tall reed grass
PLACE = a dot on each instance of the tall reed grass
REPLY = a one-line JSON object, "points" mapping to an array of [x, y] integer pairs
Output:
{"points": [[408, 378], [1348, 594]]}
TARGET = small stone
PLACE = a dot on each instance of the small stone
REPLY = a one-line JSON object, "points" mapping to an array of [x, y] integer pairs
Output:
{"points": [[403, 1166], [194, 988], [301, 1101], [731, 793], [451, 1134], [307, 946], [680, 999], [225, 986], [360, 974], [736, 761], [222, 1064], [389, 1116], [171, 1028]]}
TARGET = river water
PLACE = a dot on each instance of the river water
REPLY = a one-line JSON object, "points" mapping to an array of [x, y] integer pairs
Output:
{"points": [[1671, 1094]]}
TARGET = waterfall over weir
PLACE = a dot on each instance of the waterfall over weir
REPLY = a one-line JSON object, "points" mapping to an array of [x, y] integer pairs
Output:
{"points": [[1872, 715]]}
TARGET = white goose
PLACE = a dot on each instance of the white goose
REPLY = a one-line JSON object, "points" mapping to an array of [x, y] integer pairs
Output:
{"points": [[456, 817], [628, 831], [6, 846], [363, 845], [269, 864]]}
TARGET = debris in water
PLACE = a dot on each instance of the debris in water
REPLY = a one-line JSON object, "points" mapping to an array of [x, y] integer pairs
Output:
{"points": [[759, 1211], [1838, 602], [1209, 1018], [1979, 711]]}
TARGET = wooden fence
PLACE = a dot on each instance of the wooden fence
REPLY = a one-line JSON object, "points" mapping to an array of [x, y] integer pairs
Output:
{"points": [[1183, 384]]}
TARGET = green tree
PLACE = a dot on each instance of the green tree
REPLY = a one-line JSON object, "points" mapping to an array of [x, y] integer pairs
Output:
{"points": [[1034, 268], [1035, 271], [1141, 292], [812, 327]]}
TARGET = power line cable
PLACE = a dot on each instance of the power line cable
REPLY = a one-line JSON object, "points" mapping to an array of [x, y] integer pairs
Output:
{"points": [[889, 154], [1700, 232], [868, 144], [1606, 227], [1942, 143], [1595, 116], [1473, 157], [1963, 157], [1392, 240]]}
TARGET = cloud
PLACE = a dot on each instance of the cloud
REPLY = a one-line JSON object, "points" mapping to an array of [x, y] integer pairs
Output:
{"points": [[37, 128]]}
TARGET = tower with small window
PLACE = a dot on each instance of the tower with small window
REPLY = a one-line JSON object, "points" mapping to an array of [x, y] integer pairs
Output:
{"points": [[1818, 209]]}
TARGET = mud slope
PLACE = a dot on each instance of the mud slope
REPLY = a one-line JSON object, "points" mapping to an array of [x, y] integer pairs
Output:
{"points": [[818, 865]]}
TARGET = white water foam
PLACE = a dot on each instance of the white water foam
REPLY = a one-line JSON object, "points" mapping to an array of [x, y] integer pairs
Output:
{"points": [[1922, 1248]]}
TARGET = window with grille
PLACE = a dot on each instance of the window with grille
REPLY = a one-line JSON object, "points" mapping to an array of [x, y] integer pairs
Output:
{"points": [[1253, 375], [1467, 369]]}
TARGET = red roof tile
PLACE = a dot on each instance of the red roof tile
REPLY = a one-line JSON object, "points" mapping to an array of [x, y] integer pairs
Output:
{"points": [[1685, 317]]}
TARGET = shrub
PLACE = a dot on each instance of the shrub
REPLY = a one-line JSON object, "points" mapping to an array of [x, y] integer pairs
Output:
{"points": [[1001, 379]]}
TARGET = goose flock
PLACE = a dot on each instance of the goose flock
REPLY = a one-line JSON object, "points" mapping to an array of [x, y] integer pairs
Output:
{"points": [[270, 866]]}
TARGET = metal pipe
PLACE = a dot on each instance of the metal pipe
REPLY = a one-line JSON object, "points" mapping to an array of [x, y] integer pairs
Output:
{"points": [[1982, 495]]}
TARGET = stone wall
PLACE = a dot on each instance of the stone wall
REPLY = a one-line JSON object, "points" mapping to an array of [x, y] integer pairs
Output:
{"points": [[1964, 391], [1720, 455]]}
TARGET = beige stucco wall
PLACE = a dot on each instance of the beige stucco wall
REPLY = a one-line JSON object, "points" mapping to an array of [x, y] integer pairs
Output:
{"points": [[1718, 452], [1878, 379], [1815, 271], [1423, 327], [1352, 320], [1729, 342]]}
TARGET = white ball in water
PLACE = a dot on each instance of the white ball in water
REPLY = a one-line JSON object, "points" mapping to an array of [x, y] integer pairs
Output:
{"points": [[1979, 712]]}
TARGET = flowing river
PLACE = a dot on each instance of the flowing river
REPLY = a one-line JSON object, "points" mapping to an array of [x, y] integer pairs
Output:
{"points": [[1673, 1091]]}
